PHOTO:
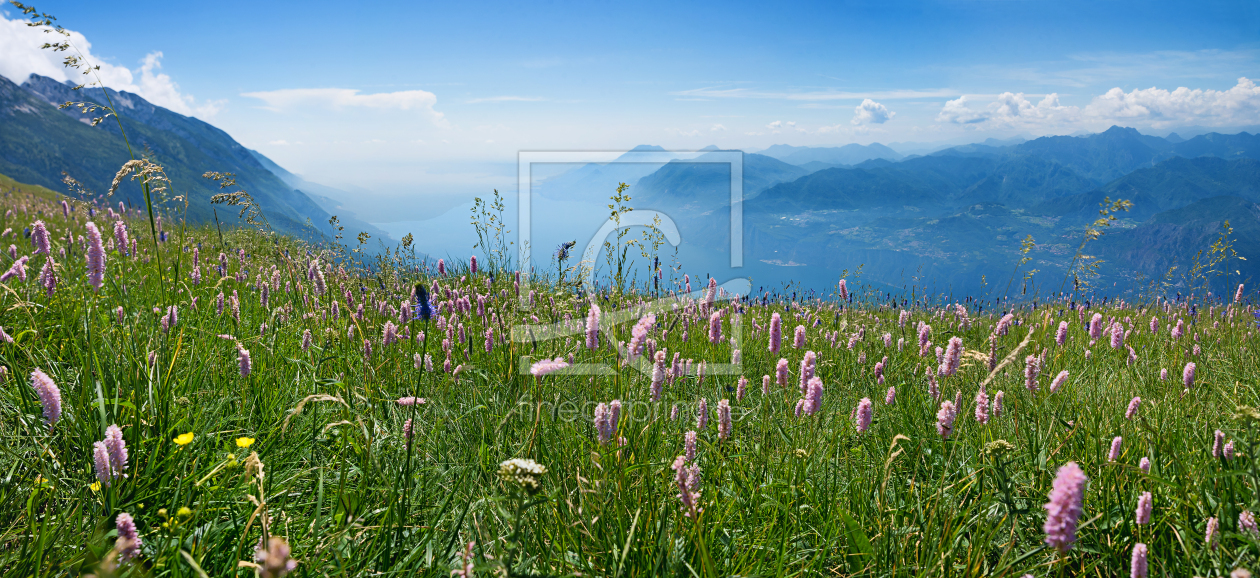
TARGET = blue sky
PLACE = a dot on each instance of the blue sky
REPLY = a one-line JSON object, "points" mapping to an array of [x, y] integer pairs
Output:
{"points": [[413, 98]]}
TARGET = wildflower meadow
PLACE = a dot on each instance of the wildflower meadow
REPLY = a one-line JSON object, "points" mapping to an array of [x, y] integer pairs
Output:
{"points": [[190, 399], [185, 400]]}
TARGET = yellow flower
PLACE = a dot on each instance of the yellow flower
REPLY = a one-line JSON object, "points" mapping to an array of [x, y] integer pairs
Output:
{"points": [[184, 439], [95, 487], [244, 442]]}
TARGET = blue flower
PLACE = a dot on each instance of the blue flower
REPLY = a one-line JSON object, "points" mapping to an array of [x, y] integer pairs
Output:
{"points": [[562, 252], [1257, 314], [423, 304]]}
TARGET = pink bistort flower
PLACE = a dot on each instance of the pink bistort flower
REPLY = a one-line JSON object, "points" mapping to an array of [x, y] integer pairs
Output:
{"points": [[1064, 509]]}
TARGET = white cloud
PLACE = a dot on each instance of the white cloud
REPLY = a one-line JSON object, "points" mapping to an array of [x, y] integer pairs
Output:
{"points": [[1160, 107], [1016, 109], [871, 112], [21, 56], [956, 111], [1154, 107], [1010, 110], [340, 98], [717, 127], [777, 126], [280, 143]]}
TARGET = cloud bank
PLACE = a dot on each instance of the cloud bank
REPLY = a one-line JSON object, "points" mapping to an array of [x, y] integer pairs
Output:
{"points": [[21, 56], [1156, 107]]}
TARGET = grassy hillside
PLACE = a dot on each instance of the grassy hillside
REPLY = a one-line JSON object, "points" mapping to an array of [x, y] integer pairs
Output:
{"points": [[264, 390], [41, 144]]}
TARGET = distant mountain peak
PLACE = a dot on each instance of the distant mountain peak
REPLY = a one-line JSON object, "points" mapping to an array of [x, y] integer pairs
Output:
{"points": [[649, 148], [710, 148], [1117, 130]]}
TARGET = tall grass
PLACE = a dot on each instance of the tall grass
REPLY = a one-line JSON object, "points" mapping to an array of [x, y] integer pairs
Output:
{"points": [[331, 473]]}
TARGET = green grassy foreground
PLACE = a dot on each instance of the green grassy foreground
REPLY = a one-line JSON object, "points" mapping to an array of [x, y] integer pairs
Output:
{"points": [[310, 447]]}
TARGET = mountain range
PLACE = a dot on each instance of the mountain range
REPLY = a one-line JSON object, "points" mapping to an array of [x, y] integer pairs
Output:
{"points": [[951, 219], [957, 216], [850, 154], [40, 144]]}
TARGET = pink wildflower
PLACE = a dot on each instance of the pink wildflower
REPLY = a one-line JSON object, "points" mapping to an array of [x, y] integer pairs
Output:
{"points": [[1032, 367], [776, 333], [95, 257], [1247, 523], [117, 448], [1138, 565], [1064, 509], [813, 396], [49, 396], [243, 358], [100, 461], [128, 543], [1131, 411], [275, 560], [592, 327], [41, 239], [945, 419], [17, 269], [687, 480], [603, 423], [724, 419], [953, 354], [1095, 326], [781, 372], [1142, 515], [1058, 381], [658, 374], [862, 420], [982, 406]]}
